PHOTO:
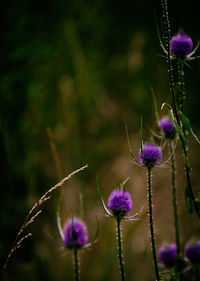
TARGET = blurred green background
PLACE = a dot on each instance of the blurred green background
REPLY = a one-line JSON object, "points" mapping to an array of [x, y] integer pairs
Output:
{"points": [[84, 69]]}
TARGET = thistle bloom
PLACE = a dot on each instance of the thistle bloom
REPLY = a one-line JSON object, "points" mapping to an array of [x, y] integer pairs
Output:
{"points": [[181, 45], [151, 155], [192, 251], [75, 234], [167, 126], [168, 254], [120, 202]]}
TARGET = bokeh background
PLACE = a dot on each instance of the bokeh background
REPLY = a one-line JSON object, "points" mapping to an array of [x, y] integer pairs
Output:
{"points": [[84, 69]]}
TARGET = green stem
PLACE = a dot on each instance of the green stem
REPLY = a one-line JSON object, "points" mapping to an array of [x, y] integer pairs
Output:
{"points": [[153, 244], [188, 172], [184, 142], [174, 200], [120, 254], [76, 264], [196, 272], [181, 84], [169, 62]]}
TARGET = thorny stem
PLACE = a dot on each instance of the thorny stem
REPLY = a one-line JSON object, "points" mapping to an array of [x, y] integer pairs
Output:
{"points": [[153, 244], [196, 272], [181, 84], [120, 254], [170, 68], [174, 202], [188, 173], [76, 264], [173, 171], [184, 142]]}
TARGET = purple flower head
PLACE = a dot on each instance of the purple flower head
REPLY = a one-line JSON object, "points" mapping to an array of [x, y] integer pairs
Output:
{"points": [[75, 234], [167, 126], [192, 251], [167, 254], [120, 202], [152, 155], [181, 45]]}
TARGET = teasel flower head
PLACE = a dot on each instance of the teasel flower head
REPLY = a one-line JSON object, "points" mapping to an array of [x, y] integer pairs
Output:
{"points": [[150, 155], [181, 45], [120, 202], [167, 127], [75, 234], [167, 254], [192, 251]]}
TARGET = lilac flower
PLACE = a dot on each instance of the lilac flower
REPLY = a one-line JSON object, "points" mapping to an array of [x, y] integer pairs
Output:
{"points": [[75, 234], [192, 251], [167, 126], [168, 254], [151, 155], [120, 202], [181, 45]]}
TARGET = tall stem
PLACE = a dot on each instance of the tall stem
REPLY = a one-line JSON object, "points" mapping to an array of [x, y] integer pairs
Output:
{"points": [[120, 249], [169, 62], [174, 201], [153, 244], [76, 264], [188, 172], [184, 142], [181, 84]]}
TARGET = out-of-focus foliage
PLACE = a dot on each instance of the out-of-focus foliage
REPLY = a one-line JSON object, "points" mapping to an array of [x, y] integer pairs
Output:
{"points": [[84, 69]]}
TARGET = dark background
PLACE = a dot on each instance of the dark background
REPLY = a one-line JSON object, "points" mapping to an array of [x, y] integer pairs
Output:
{"points": [[84, 69]]}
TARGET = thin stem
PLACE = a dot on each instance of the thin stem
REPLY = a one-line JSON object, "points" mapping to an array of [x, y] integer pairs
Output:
{"points": [[174, 200], [181, 84], [153, 244], [76, 264], [184, 141], [188, 175], [169, 62], [196, 272], [120, 249]]}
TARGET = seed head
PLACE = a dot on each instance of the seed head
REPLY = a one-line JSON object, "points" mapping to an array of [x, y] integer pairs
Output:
{"points": [[167, 254], [181, 45], [120, 202], [75, 234], [151, 155], [167, 126], [192, 251]]}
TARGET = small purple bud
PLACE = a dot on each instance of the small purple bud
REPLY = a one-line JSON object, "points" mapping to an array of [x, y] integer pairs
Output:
{"points": [[152, 155], [75, 234], [120, 202], [168, 254], [192, 251], [167, 126], [181, 45]]}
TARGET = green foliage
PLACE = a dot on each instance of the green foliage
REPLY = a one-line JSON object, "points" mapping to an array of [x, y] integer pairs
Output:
{"points": [[187, 125]]}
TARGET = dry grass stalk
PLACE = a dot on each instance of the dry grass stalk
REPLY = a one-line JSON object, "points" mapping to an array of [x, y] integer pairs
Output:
{"points": [[31, 217]]}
